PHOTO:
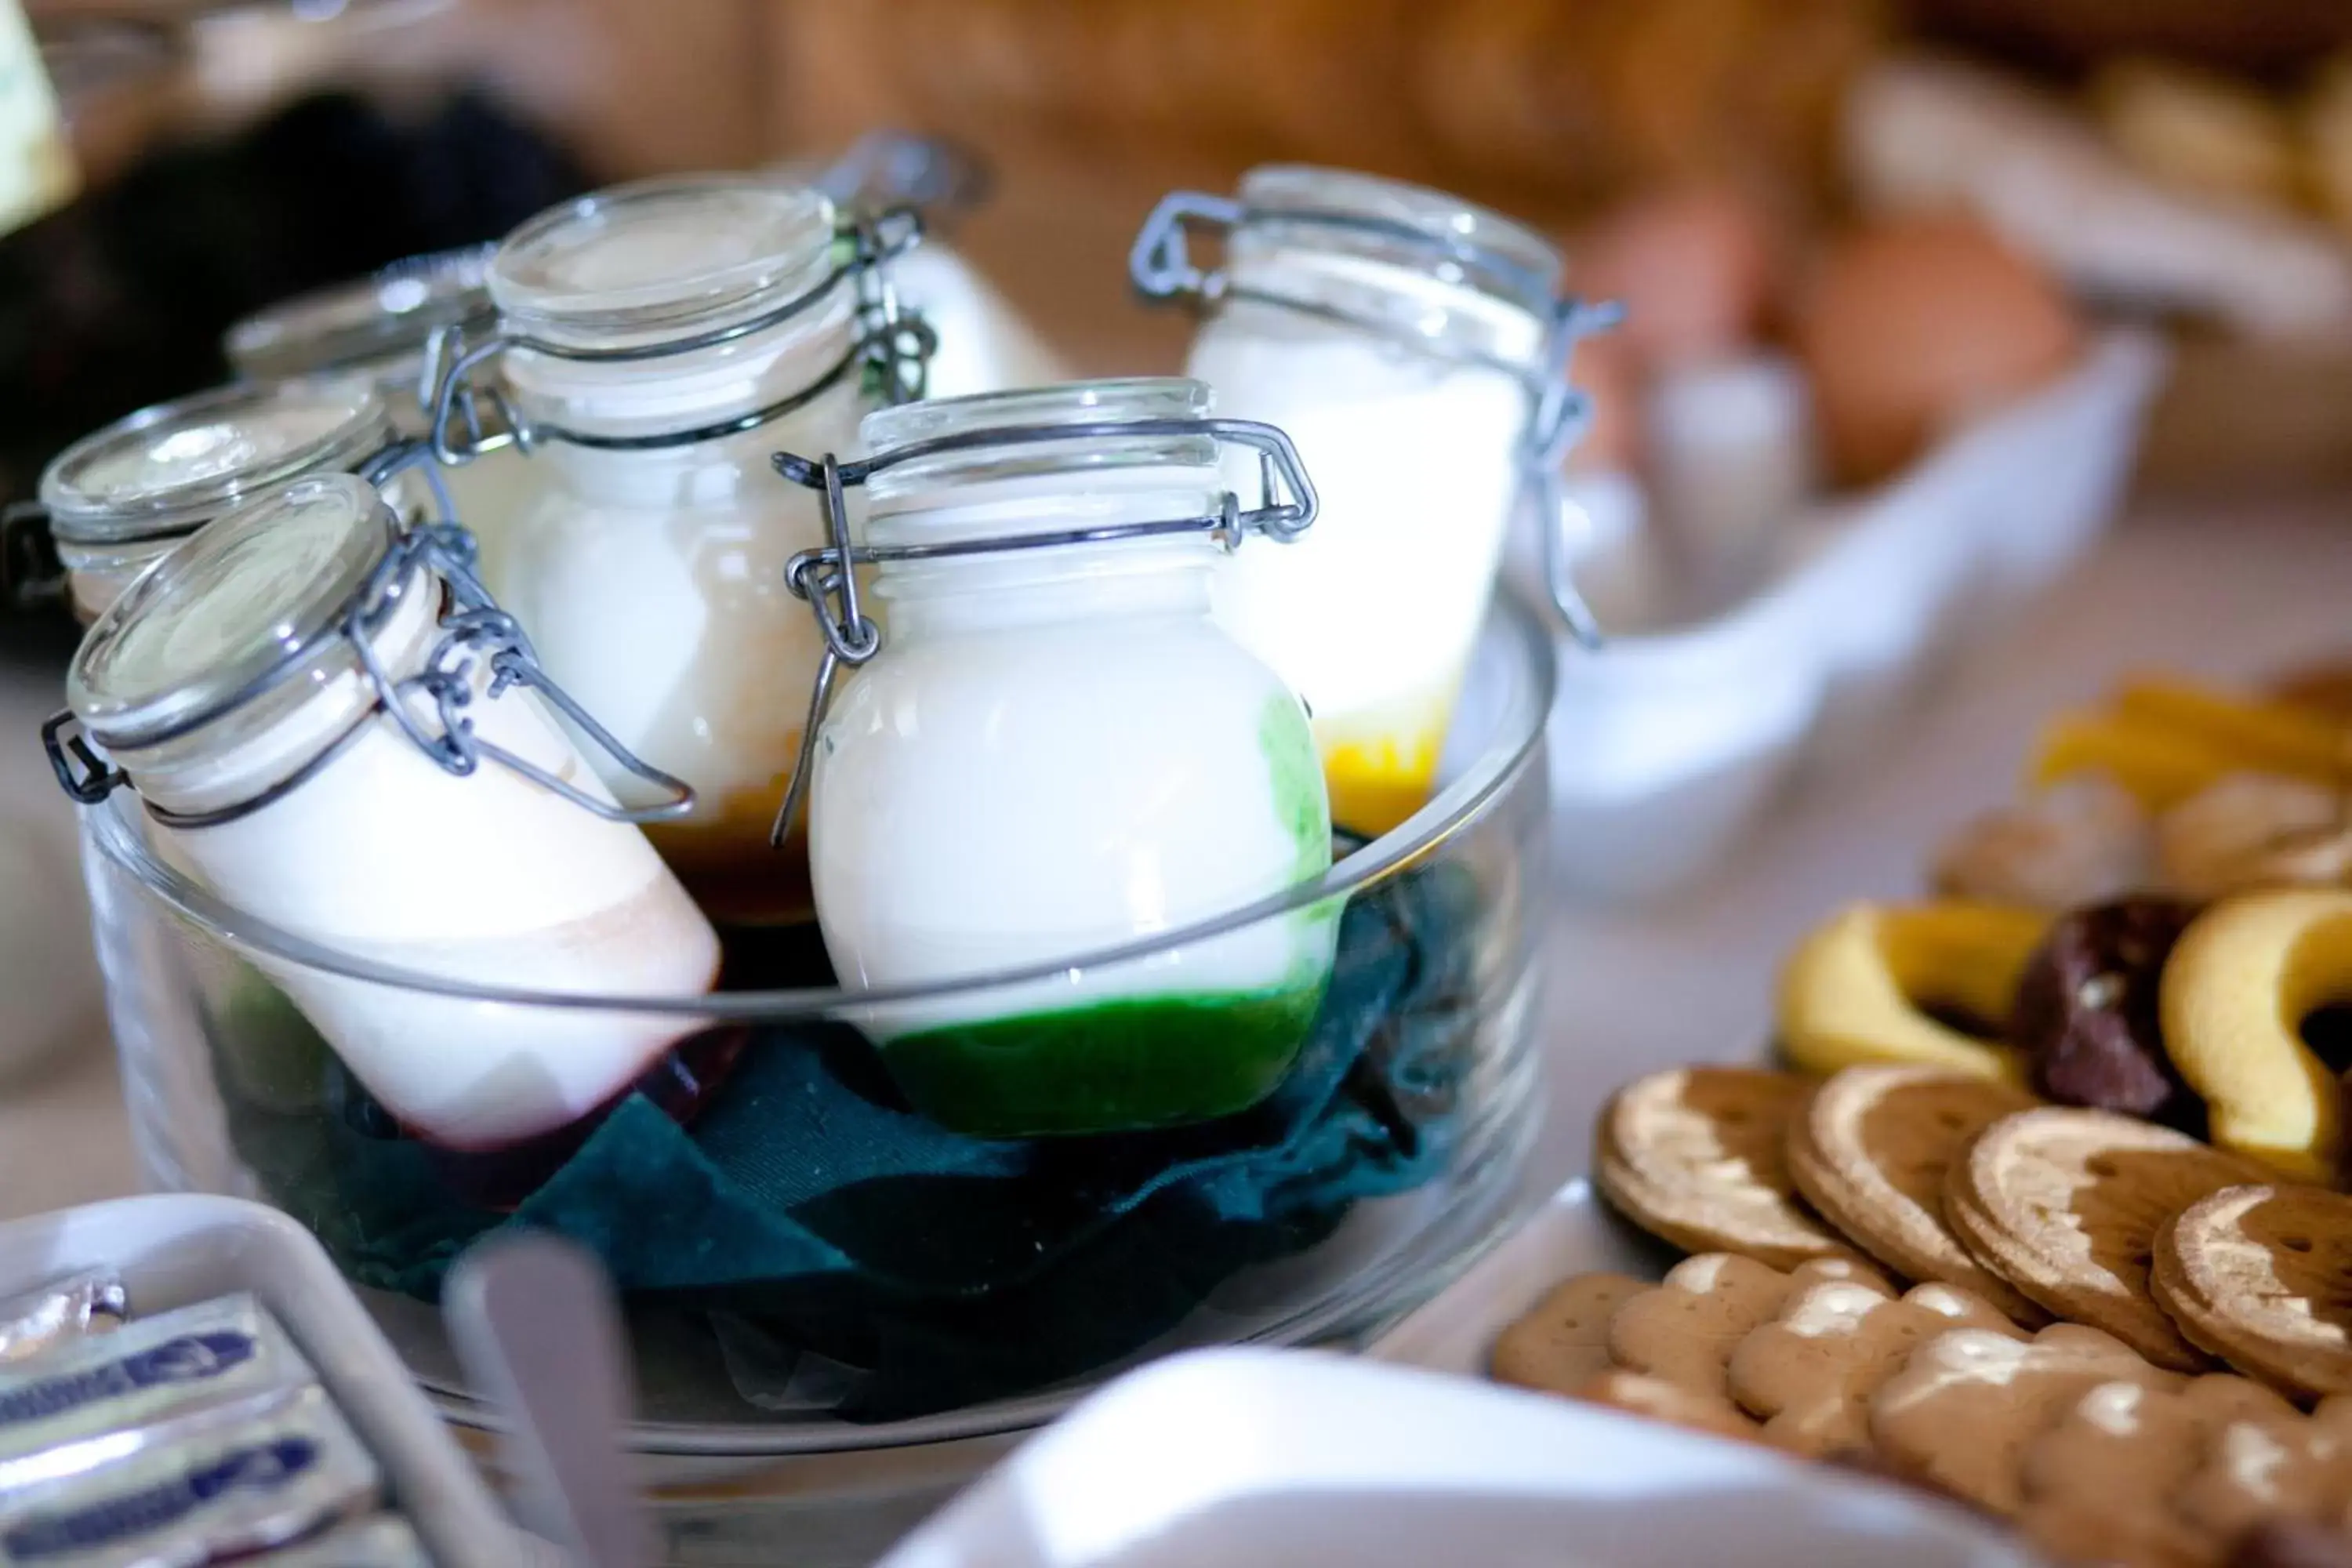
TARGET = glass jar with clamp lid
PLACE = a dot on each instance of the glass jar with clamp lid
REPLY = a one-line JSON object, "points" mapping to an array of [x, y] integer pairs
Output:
{"points": [[1416, 348], [1054, 752], [655, 343]]}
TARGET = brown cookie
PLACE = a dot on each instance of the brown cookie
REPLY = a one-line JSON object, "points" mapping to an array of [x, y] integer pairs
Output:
{"points": [[1959, 1414], [1562, 1342], [2099, 1484], [2065, 1204], [1870, 1152], [2087, 1014], [1684, 1331], [2261, 1276], [1694, 1156], [1808, 1373], [2260, 1469]]}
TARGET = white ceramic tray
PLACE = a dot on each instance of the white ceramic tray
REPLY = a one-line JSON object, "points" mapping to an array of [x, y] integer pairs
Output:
{"points": [[1270, 1459], [177, 1249], [1666, 747]]}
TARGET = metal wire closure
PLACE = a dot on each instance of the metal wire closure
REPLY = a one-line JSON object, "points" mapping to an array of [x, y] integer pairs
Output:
{"points": [[825, 580], [476, 635], [1161, 267], [892, 348]]}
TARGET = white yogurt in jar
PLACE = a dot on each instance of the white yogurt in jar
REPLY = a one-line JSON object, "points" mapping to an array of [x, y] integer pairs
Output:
{"points": [[118, 499], [652, 576], [1058, 752], [225, 686], [1405, 381]]}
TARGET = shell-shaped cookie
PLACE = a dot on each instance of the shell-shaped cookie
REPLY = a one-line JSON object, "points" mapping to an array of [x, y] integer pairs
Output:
{"points": [[1808, 1374], [1562, 1341], [1959, 1415], [2065, 1204], [2261, 1276], [2263, 1468], [1696, 1157], [1870, 1152], [1686, 1330], [2099, 1484], [1683, 1333]]}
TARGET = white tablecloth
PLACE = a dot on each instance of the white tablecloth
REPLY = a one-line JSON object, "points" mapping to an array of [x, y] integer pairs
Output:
{"points": [[2228, 591]]}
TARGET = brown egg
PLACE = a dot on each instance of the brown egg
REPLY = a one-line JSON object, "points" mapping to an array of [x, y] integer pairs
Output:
{"points": [[1603, 370], [1915, 325], [1693, 268]]}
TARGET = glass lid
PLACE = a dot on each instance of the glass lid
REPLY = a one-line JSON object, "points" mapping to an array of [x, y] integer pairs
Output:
{"points": [[1488, 251], [662, 259], [223, 616], [1122, 399], [387, 315], [166, 469], [1112, 464]]}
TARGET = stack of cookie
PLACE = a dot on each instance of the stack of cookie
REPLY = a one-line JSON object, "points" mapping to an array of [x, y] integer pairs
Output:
{"points": [[1929, 1273]]}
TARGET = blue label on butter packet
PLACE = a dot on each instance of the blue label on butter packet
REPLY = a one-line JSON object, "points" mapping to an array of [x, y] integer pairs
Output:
{"points": [[150, 1370], [189, 1358], [264, 1468], [214, 1484]]}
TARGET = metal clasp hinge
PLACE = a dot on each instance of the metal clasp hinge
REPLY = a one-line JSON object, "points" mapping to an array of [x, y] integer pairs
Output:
{"points": [[1159, 262], [474, 632], [455, 404], [86, 776]]}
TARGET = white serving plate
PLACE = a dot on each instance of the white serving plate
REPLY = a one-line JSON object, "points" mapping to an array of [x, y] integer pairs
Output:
{"points": [[176, 1249], [1273, 1459], [1666, 747]]}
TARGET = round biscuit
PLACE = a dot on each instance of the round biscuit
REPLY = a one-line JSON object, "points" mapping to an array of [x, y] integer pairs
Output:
{"points": [[2065, 1204], [2261, 1276], [1870, 1153], [1696, 1156]]}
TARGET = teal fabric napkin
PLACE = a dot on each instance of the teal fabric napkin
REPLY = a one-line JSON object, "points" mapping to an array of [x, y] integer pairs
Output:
{"points": [[923, 1270]]}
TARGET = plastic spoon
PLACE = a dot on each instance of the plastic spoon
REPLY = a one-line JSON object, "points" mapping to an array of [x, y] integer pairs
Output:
{"points": [[533, 1322]]}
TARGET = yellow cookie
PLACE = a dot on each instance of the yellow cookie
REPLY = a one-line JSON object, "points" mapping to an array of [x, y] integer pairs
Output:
{"points": [[2237, 987], [2262, 1277], [1856, 991], [2065, 1204], [1696, 1156], [1870, 1152]]}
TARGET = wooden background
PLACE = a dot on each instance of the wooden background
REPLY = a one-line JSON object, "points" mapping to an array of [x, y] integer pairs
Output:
{"points": [[1088, 109]]}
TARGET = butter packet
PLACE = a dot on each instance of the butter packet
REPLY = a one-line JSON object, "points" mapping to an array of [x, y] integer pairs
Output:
{"points": [[149, 1371], [217, 1484]]}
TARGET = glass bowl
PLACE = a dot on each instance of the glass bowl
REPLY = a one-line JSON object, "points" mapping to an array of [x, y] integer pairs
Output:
{"points": [[809, 1272]]}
